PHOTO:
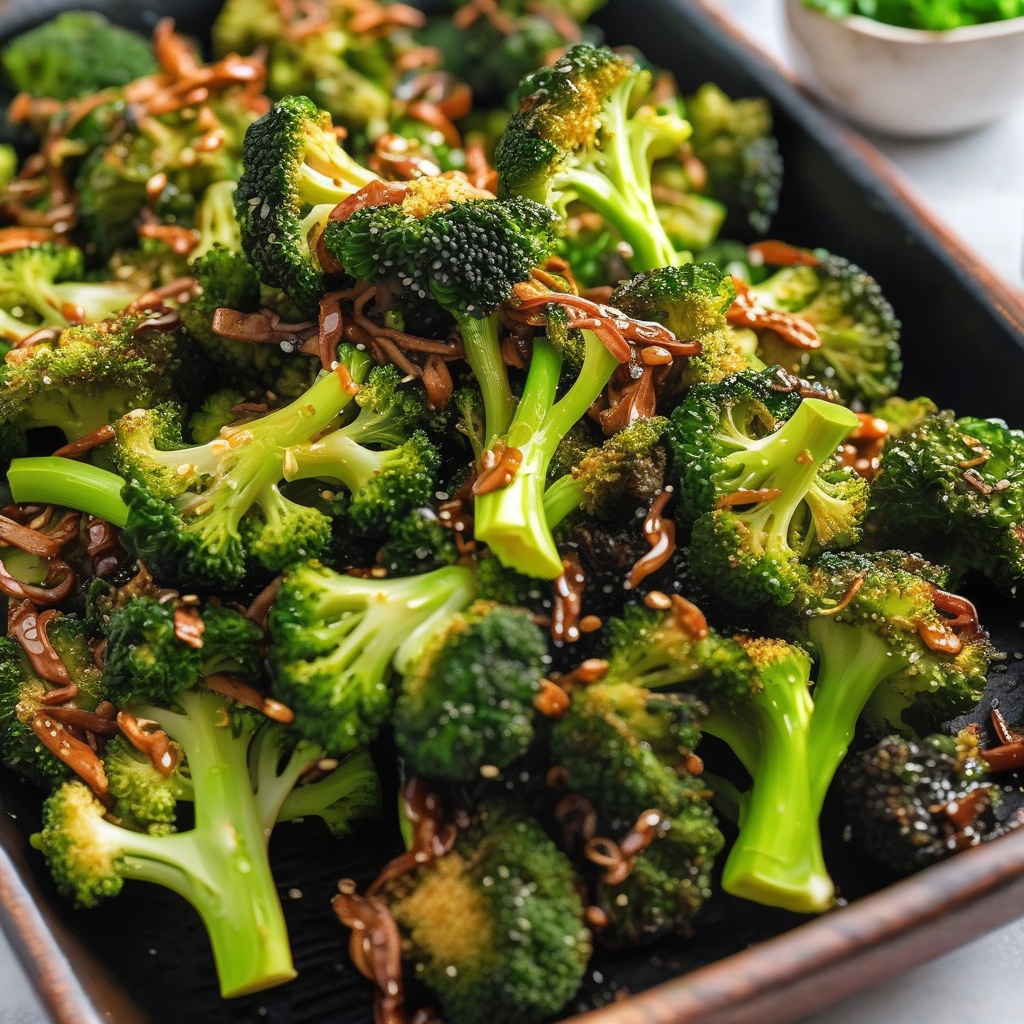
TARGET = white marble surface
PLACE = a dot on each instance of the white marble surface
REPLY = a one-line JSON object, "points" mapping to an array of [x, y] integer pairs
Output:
{"points": [[976, 184]]}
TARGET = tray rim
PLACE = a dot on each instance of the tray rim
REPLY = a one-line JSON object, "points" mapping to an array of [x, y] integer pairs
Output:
{"points": [[864, 943]]}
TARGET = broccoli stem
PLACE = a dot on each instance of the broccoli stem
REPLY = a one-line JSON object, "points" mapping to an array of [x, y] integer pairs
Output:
{"points": [[788, 461], [336, 457], [512, 519], [55, 481], [561, 499], [221, 865], [483, 353], [854, 661], [777, 858]]}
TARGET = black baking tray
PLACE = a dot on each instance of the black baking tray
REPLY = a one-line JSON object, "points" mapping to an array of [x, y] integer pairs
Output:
{"points": [[143, 957]]}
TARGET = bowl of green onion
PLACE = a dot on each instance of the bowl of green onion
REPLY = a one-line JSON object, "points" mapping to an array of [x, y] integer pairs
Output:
{"points": [[911, 68]]}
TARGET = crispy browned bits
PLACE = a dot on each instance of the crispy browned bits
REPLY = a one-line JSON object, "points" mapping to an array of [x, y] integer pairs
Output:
{"points": [[151, 741], [243, 693], [746, 311], [552, 701], [618, 858], [28, 626], [75, 753]]}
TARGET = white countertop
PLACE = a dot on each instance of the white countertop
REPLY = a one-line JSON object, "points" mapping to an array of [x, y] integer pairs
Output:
{"points": [[975, 183]]}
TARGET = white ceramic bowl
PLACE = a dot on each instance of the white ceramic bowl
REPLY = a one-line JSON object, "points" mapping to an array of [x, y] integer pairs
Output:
{"points": [[906, 82]]}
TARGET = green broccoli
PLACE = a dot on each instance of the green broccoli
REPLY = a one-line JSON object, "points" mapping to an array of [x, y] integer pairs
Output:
{"points": [[495, 926], [239, 768], [759, 482], [467, 702], [418, 542], [757, 698], [957, 487], [215, 413], [691, 301], [859, 333], [294, 173], [75, 54], [891, 645], [89, 376], [337, 642], [22, 690], [583, 132], [44, 286], [629, 752], [912, 803], [733, 140], [388, 480]]}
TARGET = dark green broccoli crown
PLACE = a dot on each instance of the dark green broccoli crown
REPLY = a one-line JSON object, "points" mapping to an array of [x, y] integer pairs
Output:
{"points": [[691, 300], [338, 640], [468, 703], [561, 113], [958, 486], [155, 649], [215, 412], [495, 928], [733, 140], [77, 53], [21, 692], [669, 881], [89, 376], [417, 543], [933, 666], [914, 803], [622, 745], [292, 165], [467, 254], [860, 352]]}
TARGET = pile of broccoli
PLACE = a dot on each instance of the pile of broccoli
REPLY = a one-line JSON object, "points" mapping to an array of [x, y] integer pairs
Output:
{"points": [[349, 423]]}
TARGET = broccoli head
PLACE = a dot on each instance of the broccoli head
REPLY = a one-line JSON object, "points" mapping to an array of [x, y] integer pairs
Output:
{"points": [[584, 132], [494, 927], [957, 487]]}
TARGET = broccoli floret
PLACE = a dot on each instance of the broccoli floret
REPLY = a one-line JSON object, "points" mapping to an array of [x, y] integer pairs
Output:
{"points": [[75, 54], [338, 640], [757, 698], [597, 481], [145, 653], [238, 769], [467, 703], [206, 422], [215, 223], [691, 301], [349, 71], [859, 333], [417, 543], [43, 286], [227, 280], [494, 927], [891, 646], [493, 53], [22, 690], [294, 173], [957, 487], [583, 132], [89, 376], [391, 478], [733, 140], [627, 750], [759, 482], [912, 803]]}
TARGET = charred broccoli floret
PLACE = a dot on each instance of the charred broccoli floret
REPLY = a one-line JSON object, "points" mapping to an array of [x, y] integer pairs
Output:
{"points": [[467, 702], [859, 353], [957, 487]]}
